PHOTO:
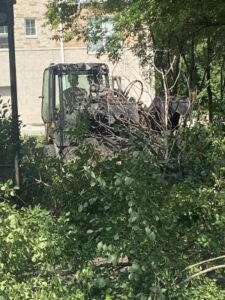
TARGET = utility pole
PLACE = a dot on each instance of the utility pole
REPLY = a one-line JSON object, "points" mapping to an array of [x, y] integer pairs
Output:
{"points": [[7, 19], [61, 25], [62, 43], [61, 33]]}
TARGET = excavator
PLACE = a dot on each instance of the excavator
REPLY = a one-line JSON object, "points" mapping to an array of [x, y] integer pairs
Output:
{"points": [[77, 96], [71, 90]]}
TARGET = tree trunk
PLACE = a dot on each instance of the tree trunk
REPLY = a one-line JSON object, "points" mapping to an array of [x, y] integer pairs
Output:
{"points": [[175, 75], [210, 95], [208, 76], [222, 80], [191, 69], [192, 72]]}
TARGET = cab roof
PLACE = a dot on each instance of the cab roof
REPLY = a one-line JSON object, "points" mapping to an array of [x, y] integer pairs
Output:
{"points": [[67, 68]]}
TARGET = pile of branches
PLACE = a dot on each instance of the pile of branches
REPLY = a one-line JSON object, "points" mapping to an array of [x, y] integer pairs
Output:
{"points": [[120, 123]]}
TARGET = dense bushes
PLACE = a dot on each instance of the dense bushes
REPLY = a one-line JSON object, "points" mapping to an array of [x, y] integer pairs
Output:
{"points": [[5, 130], [123, 228], [33, 245]]}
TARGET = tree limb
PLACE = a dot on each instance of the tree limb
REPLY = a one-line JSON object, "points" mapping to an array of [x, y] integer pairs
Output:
{"points": [[203, 272], [203, 262]]}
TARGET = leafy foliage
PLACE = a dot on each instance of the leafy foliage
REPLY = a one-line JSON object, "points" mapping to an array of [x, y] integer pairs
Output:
{"points": [[130, 226], [33, 244], [125, 227], [5, 128], [185, 37]]}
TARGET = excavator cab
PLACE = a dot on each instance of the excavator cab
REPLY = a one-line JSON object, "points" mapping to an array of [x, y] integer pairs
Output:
{"points": [[71, 90], [67, 89]]}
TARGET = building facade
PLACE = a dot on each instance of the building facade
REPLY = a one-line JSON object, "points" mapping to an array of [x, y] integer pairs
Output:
{"points": [[35, 50]]}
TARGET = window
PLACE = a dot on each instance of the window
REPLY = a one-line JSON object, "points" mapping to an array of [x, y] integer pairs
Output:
{"points": [[3, 37], [30, 27], [45, 98], [99, 31], [3, 30]]}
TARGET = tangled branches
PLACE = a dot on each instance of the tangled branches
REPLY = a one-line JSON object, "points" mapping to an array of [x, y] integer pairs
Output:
{"points": [[120, 122]]}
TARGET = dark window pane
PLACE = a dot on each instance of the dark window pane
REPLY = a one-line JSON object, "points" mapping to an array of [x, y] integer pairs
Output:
{"points": [[4, 41]]}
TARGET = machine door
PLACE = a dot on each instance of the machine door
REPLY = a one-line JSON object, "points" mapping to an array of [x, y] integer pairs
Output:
{"points": [[51, 112], [55, 128], [45, 109]]}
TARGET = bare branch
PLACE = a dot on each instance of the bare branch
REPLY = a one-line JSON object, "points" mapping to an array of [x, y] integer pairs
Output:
{"points": [[203, 272], [203, 262]]}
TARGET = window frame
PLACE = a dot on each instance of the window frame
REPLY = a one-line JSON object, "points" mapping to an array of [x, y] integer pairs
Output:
{"points": [[104, 34], [4, 38], [30, 36]]}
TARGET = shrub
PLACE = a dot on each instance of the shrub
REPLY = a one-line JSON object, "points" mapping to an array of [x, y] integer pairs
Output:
{"points": [[147, 219], [5, 134], [33, 253]]}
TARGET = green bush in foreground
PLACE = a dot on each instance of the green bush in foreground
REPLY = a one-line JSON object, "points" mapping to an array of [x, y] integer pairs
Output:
{"points": [[5, 134], [146, 219], [33, 246]]}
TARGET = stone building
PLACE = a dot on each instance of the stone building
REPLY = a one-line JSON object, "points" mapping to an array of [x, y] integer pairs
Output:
{"points": [[35, 50]]}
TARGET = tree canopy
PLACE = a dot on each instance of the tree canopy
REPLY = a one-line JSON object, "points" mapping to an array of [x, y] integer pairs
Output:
{"points": [[185, 37]]}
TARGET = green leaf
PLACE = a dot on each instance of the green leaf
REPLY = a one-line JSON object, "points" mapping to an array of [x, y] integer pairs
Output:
{"points": [[99, 245], [93, 200], [80, 208], [128, 181], [116, 237], [100, 282]]}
